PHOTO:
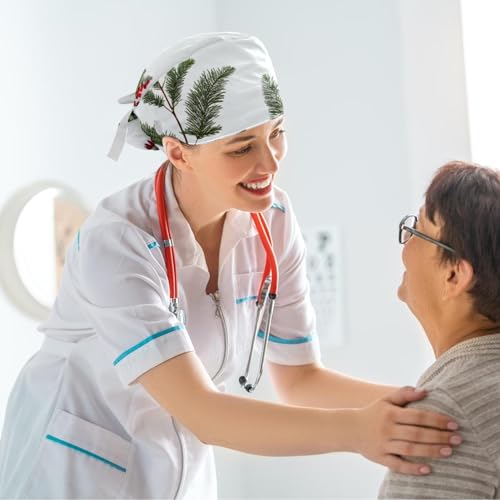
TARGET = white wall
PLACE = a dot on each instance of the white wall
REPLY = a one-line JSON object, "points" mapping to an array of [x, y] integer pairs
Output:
{"points": [[375, 101], [481, 43], [435, 104], [374, 96]]}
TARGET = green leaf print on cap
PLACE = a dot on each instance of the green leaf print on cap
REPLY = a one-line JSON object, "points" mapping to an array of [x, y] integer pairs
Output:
{"points": [[203, 103], [272, 97]]}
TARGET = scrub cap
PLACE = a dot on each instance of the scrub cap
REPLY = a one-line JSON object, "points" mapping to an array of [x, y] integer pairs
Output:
{"points": [[204, 88]]}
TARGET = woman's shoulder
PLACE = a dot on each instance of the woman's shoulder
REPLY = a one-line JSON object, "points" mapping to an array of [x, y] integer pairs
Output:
{"points": [[131, 206], [469, 379]]}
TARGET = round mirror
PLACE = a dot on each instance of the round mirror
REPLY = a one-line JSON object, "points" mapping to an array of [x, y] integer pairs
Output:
{"points": [[38, 224]]}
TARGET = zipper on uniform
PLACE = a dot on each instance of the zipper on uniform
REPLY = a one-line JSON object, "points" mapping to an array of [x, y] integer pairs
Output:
{"points": [[181, 446], [220, 314]]}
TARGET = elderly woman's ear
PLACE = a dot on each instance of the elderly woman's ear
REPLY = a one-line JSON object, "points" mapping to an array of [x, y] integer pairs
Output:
{"points": [[459, 279]]}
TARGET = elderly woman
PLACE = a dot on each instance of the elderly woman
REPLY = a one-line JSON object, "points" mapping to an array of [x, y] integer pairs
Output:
{"points": [[451, 284]]}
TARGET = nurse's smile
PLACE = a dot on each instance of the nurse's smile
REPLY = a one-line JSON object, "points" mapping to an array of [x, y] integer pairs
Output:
{"points": [[258, 187]]}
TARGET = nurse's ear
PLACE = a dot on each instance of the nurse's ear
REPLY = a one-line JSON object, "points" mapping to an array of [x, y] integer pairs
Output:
{"points": [[178, 153]]}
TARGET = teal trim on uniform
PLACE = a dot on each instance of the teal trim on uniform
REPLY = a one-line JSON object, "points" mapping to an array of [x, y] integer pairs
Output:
{"points": [[78, 240], [246, 299], [86, 452], [279, 340], [279, 206], [146, 341], [153, 244]]}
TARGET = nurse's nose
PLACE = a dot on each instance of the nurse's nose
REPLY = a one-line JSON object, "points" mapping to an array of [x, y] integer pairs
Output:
{"points": [[269, 162]]}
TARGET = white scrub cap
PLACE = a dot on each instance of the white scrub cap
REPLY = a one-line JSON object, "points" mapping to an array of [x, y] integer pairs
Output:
{"points": [[204, 88]]}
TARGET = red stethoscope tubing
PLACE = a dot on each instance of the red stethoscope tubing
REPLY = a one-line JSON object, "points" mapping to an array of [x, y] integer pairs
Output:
{"points": [[271, 267], [167, 243], [271, 264]]}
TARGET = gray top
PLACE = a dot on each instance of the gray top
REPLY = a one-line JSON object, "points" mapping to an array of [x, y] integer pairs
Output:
{"points": [[463, 383]]}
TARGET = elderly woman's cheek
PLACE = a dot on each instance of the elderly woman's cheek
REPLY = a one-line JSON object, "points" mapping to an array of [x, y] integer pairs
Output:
{"points": [[402, 288]]}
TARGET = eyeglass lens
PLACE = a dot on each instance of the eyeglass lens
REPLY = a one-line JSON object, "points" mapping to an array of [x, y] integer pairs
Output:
{"points": [[411, 222]]}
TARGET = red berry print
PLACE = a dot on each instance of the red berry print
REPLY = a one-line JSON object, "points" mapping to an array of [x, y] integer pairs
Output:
{"points": [[140, 89]]}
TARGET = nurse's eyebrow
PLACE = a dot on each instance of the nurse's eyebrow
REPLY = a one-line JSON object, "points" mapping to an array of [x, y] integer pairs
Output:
{"points": [[240, 139], [248, 137]]}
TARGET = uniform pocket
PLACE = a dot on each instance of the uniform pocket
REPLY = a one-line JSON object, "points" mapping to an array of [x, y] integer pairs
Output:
{"points": [[79, 459], [247, 287]]}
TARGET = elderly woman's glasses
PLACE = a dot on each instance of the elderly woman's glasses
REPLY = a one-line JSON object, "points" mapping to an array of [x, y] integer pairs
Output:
{"points": [[407, 230]]}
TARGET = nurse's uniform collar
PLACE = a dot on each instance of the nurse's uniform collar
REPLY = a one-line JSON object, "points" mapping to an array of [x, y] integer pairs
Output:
{"points": [[237, 226], [241, 223]]}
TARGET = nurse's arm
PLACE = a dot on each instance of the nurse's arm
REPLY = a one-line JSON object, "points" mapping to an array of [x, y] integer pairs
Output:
{"points": [[182, 386], [315, 385]]}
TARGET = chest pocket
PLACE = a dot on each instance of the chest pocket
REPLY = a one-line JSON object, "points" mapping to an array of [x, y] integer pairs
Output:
{"points": [[78, 459]]}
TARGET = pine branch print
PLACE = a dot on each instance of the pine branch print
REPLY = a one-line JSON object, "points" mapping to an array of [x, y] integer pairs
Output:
{"points": [[272, 97], [152, 133], [175, 80], [171, 90], [203, 103], [151, 98]]}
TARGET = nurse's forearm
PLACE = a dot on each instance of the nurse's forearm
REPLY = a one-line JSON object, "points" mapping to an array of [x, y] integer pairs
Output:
{"points": [[182, 386], [271, 429], [314, 385], [380, 431]]}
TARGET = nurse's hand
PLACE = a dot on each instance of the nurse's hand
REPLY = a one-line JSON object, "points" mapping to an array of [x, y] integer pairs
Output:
{"points": [[388, 431]]}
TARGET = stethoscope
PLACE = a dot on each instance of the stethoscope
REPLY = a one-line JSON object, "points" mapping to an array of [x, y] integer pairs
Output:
{"points": [[268, 289]]}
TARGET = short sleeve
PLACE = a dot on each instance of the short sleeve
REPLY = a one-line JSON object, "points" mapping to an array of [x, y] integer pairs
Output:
{"points": [[468, 473], [121, 282], [293, 339]]}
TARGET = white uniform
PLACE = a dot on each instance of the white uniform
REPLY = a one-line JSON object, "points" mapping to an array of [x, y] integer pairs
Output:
{"points": [[76, 424]]}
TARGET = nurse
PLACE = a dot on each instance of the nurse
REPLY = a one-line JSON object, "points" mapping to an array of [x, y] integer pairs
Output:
{"points": [[127, 395]]}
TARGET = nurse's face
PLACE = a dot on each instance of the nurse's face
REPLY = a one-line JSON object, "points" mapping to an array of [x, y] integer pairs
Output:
{"points": [[239, 171]]}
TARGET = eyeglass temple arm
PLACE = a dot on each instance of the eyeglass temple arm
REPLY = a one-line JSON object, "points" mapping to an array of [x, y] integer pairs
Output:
{"points": [[416, 232]]}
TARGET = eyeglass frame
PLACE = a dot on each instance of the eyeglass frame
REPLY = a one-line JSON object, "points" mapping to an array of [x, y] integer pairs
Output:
{"points": [[415, 232]]}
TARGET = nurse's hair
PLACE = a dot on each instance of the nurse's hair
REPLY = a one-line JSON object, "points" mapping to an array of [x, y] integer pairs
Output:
{"points": [[466, 199]]}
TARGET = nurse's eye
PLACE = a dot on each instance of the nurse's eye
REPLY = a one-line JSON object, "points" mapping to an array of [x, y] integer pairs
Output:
{"points": [[242, 151], [277, 133]]}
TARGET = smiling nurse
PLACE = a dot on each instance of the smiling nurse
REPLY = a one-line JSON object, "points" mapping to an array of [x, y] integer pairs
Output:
{"points": [[157, 307]]}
